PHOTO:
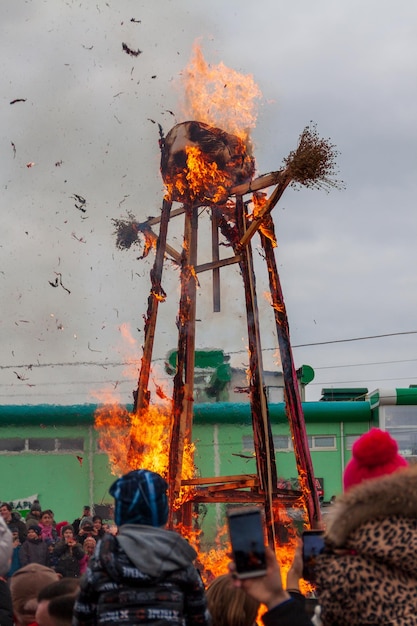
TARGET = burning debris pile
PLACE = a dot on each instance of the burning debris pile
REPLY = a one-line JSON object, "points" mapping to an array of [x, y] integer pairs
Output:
{"points": [[200, 163], [203, 165]]}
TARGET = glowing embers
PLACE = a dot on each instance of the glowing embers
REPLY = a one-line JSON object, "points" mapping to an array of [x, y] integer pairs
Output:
{"points": [[200, 163]]}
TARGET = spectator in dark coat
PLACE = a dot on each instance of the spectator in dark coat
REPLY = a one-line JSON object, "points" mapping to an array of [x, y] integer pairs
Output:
{"points": [[145, 574], [68, 554], [86, 529], [13, 519], [34, 515], [34, 549], [76, 523]]}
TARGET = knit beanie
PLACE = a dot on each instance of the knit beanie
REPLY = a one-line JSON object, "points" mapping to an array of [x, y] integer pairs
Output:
{"points": [[140, 498], [26, 583], [6, 547], [35, 506], [36, 528], [86, 523], [374, 454]]}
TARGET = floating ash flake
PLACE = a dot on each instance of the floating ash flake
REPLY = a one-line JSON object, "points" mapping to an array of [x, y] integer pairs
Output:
{"points": [[82, 202], [128, 50]]}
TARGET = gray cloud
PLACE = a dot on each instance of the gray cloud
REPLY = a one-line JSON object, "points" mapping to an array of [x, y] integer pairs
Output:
{"points": [[347, 259]]}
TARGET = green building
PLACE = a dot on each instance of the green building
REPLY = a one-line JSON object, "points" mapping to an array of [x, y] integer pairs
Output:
{"points": [[52, 451]]}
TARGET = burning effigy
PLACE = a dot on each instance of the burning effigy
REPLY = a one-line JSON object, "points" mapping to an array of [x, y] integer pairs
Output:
{"points": [[200, 163], [205, 163]]}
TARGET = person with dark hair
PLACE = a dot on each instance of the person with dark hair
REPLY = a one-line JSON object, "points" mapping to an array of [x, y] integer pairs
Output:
{"points": [[98, 526], [34, 549], [13, 519], [76, 523], [145, 574], [56, 602], [46, 523], [67, 554]]}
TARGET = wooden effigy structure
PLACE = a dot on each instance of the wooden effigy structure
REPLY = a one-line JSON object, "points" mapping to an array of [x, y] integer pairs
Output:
{"points": [[203, 166]]}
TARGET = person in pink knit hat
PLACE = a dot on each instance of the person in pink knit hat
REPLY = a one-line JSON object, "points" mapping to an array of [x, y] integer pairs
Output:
{"points": [[368, 572], [374, 454]]}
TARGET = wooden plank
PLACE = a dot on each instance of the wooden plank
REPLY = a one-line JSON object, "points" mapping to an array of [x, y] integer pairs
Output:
{"points": [[216, 258], [220, 479], [142, 393], [204, 267]]}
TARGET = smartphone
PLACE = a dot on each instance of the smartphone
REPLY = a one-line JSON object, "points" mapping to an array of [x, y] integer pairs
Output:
{"points": [[313, 545], [247, 538]]}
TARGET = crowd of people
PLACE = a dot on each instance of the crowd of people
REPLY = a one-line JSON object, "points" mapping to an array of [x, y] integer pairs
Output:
{"points": [[62, 546], [80, 574]]}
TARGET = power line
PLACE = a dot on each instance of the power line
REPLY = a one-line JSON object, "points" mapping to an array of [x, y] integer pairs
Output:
{"points": [[368, 380], [332, 367], [323, 343], [106, 364]]}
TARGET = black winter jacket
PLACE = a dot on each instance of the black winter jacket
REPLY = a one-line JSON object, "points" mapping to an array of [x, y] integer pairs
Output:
{"points": [[67, 560], [34, 551], [290, 613], [144, 576]]}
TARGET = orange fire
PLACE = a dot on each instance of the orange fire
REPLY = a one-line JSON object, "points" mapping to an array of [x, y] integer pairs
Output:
{"points": [[202, 159], [202, 174], [219, 96], [139, 440]]}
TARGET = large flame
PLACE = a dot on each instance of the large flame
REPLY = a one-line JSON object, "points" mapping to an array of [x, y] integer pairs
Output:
{"points": [[219, 96], [142, 439]]}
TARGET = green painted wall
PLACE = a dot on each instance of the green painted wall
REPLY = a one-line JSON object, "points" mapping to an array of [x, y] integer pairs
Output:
{"points": [[65, 483]]}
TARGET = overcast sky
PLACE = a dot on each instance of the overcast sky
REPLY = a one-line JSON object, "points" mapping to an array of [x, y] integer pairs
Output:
{"points": [[78, 118]]}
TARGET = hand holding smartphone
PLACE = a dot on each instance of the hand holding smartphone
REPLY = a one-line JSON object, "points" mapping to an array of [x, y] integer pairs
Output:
{"points": [[247, 538], [313, 546]]}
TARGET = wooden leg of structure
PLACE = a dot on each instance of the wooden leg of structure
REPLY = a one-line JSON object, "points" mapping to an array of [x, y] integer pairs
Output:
{"points": [[292, 395], [264, 447], [184, 378]]}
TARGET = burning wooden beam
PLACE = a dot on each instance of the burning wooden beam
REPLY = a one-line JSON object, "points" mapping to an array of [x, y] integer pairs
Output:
{"points": [[292, 395], [142, 395], [263, 442], [184, 376]]}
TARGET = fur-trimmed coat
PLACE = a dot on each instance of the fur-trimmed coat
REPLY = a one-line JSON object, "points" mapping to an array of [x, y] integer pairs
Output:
{"points": [[368, 574]]}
